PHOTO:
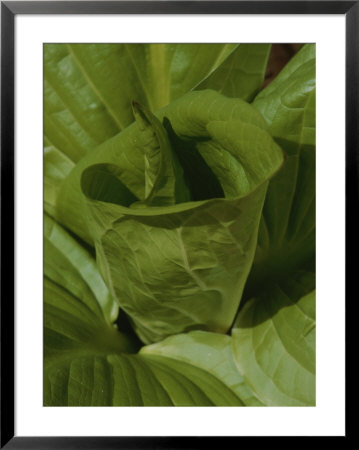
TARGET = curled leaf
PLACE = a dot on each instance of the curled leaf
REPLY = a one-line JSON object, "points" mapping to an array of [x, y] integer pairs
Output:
{"points": [[180, 265]]}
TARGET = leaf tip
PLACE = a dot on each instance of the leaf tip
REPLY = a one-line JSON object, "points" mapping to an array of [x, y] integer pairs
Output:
{"points": [[140, 114]]}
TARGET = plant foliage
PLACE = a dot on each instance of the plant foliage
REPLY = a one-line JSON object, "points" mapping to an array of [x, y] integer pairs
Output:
{"points": [[179, 226]]}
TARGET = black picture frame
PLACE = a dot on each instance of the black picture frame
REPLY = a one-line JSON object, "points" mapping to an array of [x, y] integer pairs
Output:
{"points": [[9, 9]]}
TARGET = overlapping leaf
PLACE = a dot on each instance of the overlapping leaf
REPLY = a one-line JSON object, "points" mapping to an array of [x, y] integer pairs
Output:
{"points": [[72, 268], [88, 88], [206, 116], [274, 342], [211, 352], [190, 249], [181, 267], [132, 380], [88, 361], [286, 238], [241, 75]]}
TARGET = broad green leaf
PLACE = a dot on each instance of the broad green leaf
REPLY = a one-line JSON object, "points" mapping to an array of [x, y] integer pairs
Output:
{"points": [[305, 54], [85, 364], [165, 72], [57, 167], [181, 267], [75, 118], [171, 373], [286, 238], [241, 75], [177, 270], [78, 308], [132, 380], [211, 352], [287, 103], [176, 227], [274, 342], [72, 268], [89, 88], [204, 117], [72, 328], [87, 361]]}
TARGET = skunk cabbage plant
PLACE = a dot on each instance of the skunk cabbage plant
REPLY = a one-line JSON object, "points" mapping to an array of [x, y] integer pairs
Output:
{"points": [[179, 226]]}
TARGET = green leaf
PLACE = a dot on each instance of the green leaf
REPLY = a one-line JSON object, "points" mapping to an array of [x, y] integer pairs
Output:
{"points": [[166, 277], [88, 90], [89, 87], [274, 342], [173, 204], [305, 54], [184, 266], [204, 117], [287, 103], [241, 75], [57, 167], [168, 71], [198, 177], [209, 351], [75, 118], [72, 268], [87, 361], [85, 364], [164, 179], [72, 328], [286, 238], [132, 380]]}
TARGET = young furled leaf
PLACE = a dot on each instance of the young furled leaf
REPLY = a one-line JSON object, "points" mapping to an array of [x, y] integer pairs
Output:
{"points": [[164, 179], [183, 266]]}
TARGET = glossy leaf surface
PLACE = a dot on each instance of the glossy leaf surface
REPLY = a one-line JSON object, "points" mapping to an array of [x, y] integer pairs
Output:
{"points": [[286, 238], [274, 342], [72, 268], [210, 351], [89, 88], [132, 380], [241, 75], [183, 267], [204, 205], [88, 361]]}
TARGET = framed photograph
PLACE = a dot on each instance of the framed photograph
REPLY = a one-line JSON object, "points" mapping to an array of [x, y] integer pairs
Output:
{"points": [[175, 179]]}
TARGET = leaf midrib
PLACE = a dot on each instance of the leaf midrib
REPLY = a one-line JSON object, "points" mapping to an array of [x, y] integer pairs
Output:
{"points": [[86, 75]]}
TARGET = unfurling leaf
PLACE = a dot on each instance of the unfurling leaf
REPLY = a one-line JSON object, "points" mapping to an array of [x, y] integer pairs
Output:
{"points": [[177, 265]]}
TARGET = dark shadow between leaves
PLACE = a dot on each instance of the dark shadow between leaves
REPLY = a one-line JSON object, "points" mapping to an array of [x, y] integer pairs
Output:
{"points": [[277, 295]]}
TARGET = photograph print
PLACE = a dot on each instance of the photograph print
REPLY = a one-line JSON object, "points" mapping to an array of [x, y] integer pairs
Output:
{"points": [[179, 224]]}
